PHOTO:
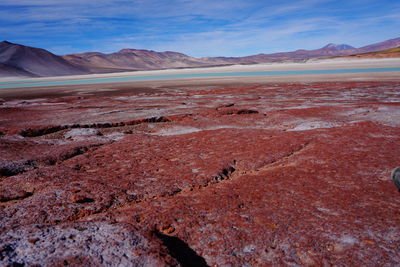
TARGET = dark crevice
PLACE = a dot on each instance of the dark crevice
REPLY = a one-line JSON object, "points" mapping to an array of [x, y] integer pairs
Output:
{"points": [[225, 106], [237, 111], [77, 151], [33, 132], [181, 251], [15, 196], [246, 111], [156, 119], [7, 251], [171, 193], [224, 174], [11, 168], [85, 200]]}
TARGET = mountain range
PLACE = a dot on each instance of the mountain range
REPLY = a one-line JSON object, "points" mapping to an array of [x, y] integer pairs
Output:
{"points": [[24, 61]]}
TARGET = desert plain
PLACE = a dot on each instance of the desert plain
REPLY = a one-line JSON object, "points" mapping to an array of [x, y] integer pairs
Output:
{"points": [[229, 171]]}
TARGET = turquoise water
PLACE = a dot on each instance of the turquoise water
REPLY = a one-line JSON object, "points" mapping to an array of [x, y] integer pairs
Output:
{"points": [[38, 83]]}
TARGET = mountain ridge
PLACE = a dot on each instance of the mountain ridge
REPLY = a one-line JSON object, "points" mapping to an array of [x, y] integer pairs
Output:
{"points": [[25, 61], [36, 61]]}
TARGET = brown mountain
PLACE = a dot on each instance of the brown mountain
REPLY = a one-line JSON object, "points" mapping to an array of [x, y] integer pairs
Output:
{"points": [[326, 51], [135, 59], [28, 61], [19, 60], [10, 71], [392, 43]]}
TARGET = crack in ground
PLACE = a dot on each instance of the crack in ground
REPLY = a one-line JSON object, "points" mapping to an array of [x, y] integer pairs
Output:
{"points": [[276, 162], [229, 172], [9, 195], [224, 174], [35, 132], [12, 168]]}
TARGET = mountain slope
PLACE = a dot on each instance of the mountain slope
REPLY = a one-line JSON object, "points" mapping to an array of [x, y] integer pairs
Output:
{"points": [[326, 51], [135, 59], [9, 71], [388, 44], [36, 61]]}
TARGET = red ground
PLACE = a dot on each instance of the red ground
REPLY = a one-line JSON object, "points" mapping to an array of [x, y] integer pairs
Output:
{"points": [[274, 174]]}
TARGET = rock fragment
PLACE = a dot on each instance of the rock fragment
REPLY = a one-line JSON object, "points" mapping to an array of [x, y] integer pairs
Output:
{"points": [[396, 177]]}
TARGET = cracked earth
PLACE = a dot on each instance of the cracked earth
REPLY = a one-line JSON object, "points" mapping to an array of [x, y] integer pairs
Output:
{"points": [[266, 174]]}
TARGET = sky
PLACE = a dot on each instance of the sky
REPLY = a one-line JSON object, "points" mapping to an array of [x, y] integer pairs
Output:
{"points": [[197, 28]]}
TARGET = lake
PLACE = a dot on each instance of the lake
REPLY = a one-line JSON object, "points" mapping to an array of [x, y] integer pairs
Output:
{"points": [[133, 78]]}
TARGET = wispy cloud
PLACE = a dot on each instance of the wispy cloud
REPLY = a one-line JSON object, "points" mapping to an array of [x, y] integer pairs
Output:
{"points": [[198, 28]]}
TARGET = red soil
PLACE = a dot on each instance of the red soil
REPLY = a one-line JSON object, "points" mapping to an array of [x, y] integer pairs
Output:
{"points": [[275, 174]]}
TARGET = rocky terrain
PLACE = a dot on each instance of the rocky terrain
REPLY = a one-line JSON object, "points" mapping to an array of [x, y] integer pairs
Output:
{"points": [[23, 61], [234, 175]]}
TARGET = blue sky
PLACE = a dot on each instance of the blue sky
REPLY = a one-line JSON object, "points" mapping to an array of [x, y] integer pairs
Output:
{"points": [[197, 28]]}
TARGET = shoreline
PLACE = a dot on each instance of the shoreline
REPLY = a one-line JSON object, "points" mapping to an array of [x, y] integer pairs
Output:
{"points": [[335, 63], [148, 86]]}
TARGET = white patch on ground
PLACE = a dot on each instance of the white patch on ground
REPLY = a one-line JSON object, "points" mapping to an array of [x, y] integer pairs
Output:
{"points": [[178, 130], [347, 239], [81, 132], [30, 102], [327, 211], [125, 98], [53, 141], [356, 111], [383, 136], [12, 137], [89, 134], [249, 248], [115, 136], [386, 115], [302, 107], [311, 125]]}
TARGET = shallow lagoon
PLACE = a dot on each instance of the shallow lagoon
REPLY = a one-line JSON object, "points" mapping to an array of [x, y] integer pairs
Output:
{"points": [[38, 83]]}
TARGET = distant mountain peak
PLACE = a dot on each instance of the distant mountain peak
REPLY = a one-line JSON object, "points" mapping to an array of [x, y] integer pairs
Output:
{"points": [[126, 50], [31, 61], [132, 50], [5, 42], [332, 46]]}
